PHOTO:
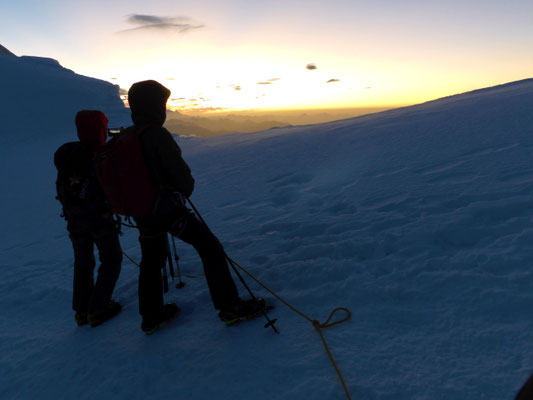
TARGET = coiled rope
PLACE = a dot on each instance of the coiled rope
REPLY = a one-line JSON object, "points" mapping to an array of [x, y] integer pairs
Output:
{"points": [[319, 327]]}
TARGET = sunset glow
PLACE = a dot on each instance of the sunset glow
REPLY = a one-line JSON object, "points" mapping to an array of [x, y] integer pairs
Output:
{"points": [[238, 55]]}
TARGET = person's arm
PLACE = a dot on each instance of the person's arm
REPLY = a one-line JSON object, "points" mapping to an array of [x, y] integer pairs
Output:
{"points": [[173, 165]]}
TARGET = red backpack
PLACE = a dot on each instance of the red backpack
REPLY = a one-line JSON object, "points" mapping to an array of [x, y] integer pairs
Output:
{"points": [[120, 168]]}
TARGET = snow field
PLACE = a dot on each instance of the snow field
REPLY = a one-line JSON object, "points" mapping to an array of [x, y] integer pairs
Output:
{"points": [[417, 219]]}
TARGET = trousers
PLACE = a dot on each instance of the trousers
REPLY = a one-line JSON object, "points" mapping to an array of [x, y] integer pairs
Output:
{"points": [[90, 296], [153, 239]]}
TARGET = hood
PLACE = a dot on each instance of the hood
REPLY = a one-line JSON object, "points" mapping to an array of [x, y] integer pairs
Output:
{"points": [[92, 127], [148, 102]]}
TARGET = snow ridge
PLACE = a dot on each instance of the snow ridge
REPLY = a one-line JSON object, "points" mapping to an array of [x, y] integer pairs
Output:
{"points": [[5, 51], [39, 97]]}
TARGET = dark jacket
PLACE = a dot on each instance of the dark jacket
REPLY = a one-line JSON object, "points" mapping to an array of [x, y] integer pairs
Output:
{"points": [[85, 206], [162, 155], [83, 202]]}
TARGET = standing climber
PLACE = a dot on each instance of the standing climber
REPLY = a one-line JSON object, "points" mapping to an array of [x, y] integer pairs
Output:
{"points": [[89, 222], [173, 182]]}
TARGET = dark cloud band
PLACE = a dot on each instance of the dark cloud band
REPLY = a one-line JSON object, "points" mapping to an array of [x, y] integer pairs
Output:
{"points": [[141, 19], [157, 23]]}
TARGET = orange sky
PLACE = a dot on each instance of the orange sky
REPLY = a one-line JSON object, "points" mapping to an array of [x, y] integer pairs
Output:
{"points": [[285, 54]]}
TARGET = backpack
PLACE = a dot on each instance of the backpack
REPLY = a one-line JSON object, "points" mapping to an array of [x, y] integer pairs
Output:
{"points": [[122, 173], [77, 188]]}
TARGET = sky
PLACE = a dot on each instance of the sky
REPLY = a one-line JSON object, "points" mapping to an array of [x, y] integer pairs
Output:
{"points": [[249, 54]]}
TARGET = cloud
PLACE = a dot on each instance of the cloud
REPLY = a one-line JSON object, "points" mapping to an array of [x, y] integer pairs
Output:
{"points": [[311, 67], [333, 80], [268, 81], [207, 109], [157, 23]]}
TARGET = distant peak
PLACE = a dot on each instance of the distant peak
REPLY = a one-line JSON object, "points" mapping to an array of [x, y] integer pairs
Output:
{"points": [[5, 51]]}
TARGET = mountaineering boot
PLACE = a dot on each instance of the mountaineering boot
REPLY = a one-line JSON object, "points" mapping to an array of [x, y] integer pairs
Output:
{"points": [[168, 313], [99, 318], [81, 318], [243, 311]]}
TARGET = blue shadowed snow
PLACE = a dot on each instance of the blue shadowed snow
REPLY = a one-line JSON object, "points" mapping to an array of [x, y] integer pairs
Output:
{"points": [[417, 219]]}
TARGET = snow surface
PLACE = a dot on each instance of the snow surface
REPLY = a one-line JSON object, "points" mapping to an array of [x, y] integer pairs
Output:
{"points": [[416, 219]]}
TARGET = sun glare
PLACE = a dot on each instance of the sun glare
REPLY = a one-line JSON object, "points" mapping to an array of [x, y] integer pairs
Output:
{"points": [[209, 80]]}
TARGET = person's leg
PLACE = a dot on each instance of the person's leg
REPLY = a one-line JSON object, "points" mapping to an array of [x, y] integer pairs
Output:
{"points": [[84, 263], [154, 251], [110, 254], [223, 291]]}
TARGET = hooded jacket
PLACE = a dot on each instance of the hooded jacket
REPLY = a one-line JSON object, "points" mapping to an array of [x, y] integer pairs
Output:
{"points": [[162, 155]]}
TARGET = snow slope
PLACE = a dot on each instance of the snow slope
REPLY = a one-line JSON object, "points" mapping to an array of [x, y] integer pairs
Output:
{"points": [[38, 103], [40, 98], [5, 51], [416, 219]]}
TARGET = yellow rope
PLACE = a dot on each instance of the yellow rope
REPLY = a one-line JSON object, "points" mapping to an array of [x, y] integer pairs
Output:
{"points": [[316, 324]]}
